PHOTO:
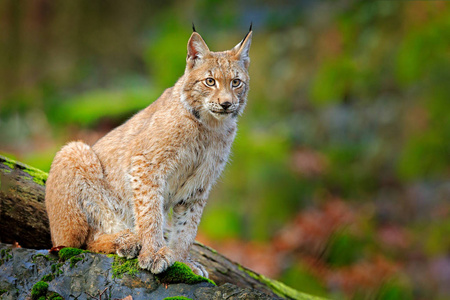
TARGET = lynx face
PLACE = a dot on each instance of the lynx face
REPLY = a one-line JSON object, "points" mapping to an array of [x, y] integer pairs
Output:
{"points": [[216, 83]]}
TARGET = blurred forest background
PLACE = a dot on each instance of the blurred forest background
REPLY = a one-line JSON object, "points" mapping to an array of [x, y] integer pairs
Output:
{"points": [[339, 183]]}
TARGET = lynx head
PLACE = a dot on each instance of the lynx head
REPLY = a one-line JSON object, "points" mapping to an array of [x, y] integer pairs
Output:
{"points": [[216, 84]]}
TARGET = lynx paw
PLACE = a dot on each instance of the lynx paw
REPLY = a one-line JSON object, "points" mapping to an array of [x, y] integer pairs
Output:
{"points": [[128, 245], [129, 250], [196, 267], [157, 262]]}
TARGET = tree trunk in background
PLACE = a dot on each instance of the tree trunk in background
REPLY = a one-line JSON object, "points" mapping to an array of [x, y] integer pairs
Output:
{"points": [[23, 219]]}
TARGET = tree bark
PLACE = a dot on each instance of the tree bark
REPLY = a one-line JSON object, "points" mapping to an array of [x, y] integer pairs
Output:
{"points": [[23, 219]]}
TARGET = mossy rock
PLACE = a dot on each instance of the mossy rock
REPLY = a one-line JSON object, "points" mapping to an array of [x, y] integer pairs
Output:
{"points": [[5, 255], [39, 290], [67, 253], [48, 277], [122, 266], [71, 254], [56, 268]]}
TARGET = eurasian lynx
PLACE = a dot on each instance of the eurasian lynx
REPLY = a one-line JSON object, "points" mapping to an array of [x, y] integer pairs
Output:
{"points": [[116, 195]]}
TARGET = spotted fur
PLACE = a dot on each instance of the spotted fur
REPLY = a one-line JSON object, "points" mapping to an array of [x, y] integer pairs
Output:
{"points": [[116, 195]]}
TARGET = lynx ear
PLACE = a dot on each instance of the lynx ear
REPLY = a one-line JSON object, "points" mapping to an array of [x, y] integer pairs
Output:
{"points": [[196, 48], [243, 48]]}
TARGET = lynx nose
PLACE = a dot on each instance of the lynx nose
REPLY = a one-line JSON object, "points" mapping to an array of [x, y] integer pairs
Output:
{"points": [[225, 105]]}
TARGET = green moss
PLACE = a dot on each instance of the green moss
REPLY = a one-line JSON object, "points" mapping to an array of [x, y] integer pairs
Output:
{"points": [[68, 253], [71, 254], [177, 298], [2, 291], [74, 260], [279, 288], [56, 269], [39, 290], [37, 175], [10, 164], [122, 266], [181, 273], [5, 255], [48, 277], [39, 255]]}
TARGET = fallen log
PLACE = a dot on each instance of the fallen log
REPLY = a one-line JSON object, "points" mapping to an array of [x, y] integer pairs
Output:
{"points": [[23, 219]]}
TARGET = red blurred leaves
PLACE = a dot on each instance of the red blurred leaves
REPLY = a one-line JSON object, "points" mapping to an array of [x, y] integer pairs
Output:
{"points": [[365, 275], [311, 230], [307, 235], [304, 241], [262, 258], [394, 237], [309, 163]]}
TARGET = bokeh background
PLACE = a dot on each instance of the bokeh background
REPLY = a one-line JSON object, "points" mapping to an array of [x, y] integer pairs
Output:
{"points": [[339, 183]]}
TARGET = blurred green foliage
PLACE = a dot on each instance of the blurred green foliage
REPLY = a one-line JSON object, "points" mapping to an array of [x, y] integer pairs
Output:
{"points": [[344, 249], [393, 291], [86, 109], [348, 99], [299, 277]]}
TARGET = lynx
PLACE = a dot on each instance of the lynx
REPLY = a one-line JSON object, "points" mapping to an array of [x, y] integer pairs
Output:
{"points": [[117, 196]]}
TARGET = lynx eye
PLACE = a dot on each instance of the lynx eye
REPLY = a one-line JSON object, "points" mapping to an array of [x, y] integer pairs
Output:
{"points": [[235, 83], [210, 81]]}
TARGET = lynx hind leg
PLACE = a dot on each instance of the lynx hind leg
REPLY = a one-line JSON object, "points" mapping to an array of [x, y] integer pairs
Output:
{"points": [[68, 223], [124, 243], [74, 196]]}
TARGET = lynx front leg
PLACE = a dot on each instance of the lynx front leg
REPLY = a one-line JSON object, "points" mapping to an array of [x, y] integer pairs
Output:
{"points": [[148, 182], [186, 217]]}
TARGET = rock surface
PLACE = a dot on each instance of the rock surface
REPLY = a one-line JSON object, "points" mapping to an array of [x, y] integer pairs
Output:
{"points": [[91, 275]]}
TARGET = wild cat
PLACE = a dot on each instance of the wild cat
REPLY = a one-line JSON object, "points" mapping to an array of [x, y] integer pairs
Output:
{"points": [[115, 197]]}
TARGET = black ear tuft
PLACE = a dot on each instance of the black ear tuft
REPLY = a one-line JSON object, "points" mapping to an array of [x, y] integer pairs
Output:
{"points": [[249, 30], [193, 27]]}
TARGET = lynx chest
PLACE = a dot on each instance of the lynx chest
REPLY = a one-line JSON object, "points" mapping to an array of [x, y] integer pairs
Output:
{"points": [[201, 163]]}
